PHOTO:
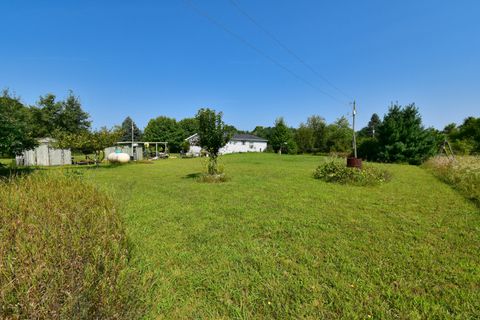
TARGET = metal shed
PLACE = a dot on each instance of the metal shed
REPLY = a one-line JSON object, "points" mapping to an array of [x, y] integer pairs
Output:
{"points": [[45, 155], [136, 148]]}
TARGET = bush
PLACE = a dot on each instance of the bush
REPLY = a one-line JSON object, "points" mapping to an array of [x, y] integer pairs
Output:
{"points": [[213, 178], [63, 252], [337, 172], [218, 177], [368, 149], [463, 173]]}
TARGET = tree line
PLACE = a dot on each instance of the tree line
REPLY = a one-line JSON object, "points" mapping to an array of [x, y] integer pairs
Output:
{"points": [[399, 137]]}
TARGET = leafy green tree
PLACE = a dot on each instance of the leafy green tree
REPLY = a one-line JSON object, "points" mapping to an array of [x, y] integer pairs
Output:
{"points": [[402, 138], [185, 146], [281, 138], [126, 130], [319, 127], [465, 138], [189, 126], [469, 131], [45, 116], [304, 138], [231, 130], [72, 118], [165, 129], [263, 132], [213, 134], [15, 132], [89, 142], [450, 129], [50, 116], [339, 136]]}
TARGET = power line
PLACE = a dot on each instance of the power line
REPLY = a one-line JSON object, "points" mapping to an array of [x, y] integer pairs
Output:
{"points": [[257, 50], [287, 49]]}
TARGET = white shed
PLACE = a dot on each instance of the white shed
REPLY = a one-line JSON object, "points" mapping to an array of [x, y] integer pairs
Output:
{"points": [[45, 155]]}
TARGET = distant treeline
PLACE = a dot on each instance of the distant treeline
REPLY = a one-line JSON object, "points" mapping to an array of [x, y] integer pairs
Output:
{"points": [[398, 137]]}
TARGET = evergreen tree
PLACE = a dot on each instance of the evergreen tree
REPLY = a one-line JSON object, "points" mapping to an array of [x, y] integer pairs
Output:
{"points": [[373, 125], [402, 138], [126, 130], [370, 131]]}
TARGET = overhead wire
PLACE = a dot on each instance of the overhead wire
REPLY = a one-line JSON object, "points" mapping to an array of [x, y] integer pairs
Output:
{"points": [[286, 48], [247, 43]]}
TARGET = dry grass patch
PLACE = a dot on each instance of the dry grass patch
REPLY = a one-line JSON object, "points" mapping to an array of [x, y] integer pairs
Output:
{"points": [[463, 173], [63, 252]]}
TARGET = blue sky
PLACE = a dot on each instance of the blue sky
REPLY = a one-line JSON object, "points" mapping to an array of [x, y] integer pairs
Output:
{"points": [[151, 58]]}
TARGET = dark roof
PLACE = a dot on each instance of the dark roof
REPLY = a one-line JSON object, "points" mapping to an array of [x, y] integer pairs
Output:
{"points": [[247, 137]]}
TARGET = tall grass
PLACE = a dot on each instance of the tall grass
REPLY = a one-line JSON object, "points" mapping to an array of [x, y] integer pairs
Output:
{"points": [[463, 173], [63, 252]]}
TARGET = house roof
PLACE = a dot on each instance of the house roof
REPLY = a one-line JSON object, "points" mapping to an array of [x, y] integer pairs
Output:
{"points": [[192, 136], [46, 140], [235, 137], [247, 137]]}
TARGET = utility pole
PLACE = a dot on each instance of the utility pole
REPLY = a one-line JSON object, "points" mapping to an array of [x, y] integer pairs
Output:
{"points": [[132, 138], [354, 112]]}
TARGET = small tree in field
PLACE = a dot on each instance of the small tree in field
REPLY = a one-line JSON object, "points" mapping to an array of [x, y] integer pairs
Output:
{"points": [[213, 135], [89, 142], [282, 138]]}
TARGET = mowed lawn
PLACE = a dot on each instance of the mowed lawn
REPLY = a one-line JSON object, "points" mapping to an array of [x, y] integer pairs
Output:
{"points": [[275, 243]]}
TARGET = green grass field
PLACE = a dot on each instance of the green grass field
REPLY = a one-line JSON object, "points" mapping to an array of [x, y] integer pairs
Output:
{"points": [[6, 161], [275, 243]]}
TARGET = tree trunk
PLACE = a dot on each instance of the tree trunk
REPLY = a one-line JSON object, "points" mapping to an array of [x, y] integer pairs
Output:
{"points": [[212, 165]]}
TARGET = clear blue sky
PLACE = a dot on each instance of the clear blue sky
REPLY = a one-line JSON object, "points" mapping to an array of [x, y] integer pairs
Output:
{"points": [[151, 58]]}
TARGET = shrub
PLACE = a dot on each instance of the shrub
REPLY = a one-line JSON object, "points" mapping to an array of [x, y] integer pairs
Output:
{"points": [[213, 178], [338, 172], [218, 177], [63, 252], [463, 174], [368, 149]]}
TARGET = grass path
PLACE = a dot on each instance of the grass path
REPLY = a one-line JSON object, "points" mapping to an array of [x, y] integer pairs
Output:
{"points": [[275, 243]]}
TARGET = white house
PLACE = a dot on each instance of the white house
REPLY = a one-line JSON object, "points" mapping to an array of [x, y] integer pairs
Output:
{"points": [[244, 143], [194, 149], [238, 143]]}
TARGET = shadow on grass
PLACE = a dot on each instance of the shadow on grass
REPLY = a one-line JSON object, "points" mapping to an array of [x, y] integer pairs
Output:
{"points": [[207, 178], [195, 175], [9, 172]]}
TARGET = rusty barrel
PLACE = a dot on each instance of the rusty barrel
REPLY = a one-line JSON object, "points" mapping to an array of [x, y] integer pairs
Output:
{"points": [[354, 163]]}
